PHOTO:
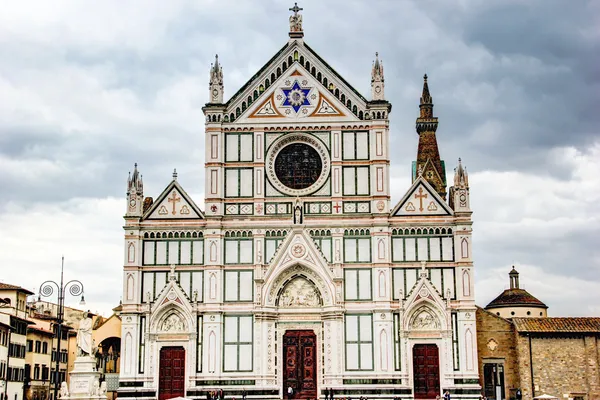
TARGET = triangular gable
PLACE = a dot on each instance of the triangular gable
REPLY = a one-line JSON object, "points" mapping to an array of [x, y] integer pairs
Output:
{"points": [[172, 294], [299, 60], [174, 203], [421, 199], [298, 246], [296, 94], [424, 296]]}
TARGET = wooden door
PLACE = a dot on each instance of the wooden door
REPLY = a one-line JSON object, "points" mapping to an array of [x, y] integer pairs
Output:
{"points": [[426, 371], [300, 359], [171, 375]]}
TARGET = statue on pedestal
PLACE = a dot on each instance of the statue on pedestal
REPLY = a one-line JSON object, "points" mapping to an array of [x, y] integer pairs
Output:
{"points": [[84, 336], [64, 391]]}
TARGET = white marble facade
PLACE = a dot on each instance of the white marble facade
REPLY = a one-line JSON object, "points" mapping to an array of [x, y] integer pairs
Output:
{"points": [[318, 248]]}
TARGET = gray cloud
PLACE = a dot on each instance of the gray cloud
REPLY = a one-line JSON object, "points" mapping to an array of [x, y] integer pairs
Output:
{"points": [[89, 90]]}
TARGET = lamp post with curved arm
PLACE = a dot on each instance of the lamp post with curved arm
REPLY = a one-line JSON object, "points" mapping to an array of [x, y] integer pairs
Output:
{"points": [[75, 288]]}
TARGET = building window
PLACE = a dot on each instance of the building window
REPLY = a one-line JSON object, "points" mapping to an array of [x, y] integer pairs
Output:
{"points": [[422, 245], [45, 372], [239, 182], [38, 346], [238, 251], [323, 239], [358, 284], [45, 348], [169, 252], [239, 147], [190, 281], [403, 280], [272, 241], [356, 181], [239, 285], [30, 346], [237, 343], [36, 372], [355, 146], [359, 342], [357, 246]]}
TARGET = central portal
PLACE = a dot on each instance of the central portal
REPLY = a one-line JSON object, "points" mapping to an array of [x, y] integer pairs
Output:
{"points": [[426, 371], [171, 374], [299, 360]]}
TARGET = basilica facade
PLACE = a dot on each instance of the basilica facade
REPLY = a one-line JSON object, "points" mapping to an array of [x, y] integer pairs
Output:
{"points": [[300, 276]]}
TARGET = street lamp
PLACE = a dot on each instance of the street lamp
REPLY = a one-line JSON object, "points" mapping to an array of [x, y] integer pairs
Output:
{"points": [[75, 288]]}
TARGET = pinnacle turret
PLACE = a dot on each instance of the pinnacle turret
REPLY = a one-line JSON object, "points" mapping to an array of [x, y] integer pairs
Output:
{"points": [[216, 87], [377, 79]]}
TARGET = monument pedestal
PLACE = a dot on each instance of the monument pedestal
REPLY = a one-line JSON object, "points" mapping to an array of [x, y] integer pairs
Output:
{"points": [[84, 381]]}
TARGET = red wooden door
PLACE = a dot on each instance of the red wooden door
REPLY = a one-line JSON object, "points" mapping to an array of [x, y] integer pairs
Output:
{"points": [[171, 375], [426, 371], [300, 369]]}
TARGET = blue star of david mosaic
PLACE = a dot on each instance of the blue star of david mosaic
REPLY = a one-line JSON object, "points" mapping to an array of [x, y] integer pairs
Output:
{"points": [[296, 97]]}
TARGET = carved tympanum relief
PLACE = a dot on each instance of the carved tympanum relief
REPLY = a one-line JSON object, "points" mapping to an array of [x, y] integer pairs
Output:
{"points": [[173, 323], [299, 293], [424, 320]]}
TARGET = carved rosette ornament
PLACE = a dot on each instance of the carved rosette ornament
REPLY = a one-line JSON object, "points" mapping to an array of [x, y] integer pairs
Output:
{"points": [[298, 250]]}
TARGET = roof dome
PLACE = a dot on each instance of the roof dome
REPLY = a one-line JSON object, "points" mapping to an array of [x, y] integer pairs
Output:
{"points": [[515, 296]]}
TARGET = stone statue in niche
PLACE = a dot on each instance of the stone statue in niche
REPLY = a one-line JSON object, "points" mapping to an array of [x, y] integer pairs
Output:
{"points": [[299, 293], [297, 214], [173, 324], [424, 321]]}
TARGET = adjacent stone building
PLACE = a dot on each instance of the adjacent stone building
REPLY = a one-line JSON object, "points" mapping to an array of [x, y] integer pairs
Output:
{"points": [[559, 356]]}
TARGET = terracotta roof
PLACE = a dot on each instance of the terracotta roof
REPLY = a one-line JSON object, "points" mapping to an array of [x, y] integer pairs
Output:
{"points": [[7, 286], [558, 324], [515, 297]]}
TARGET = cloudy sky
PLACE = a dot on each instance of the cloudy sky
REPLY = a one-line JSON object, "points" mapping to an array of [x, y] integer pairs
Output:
{"points": [[89, 88]]}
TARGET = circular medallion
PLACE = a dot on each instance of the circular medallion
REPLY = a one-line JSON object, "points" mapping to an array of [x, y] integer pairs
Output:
{"points": [[298, 250], [424, 292], [298, 164], [377, 89]]}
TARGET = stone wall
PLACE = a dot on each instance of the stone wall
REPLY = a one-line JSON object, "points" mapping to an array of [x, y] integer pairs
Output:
{"points": [[562, 364], [496, 343]]}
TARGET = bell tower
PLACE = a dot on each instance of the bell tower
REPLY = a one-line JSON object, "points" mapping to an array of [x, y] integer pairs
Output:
{"points": [[216, 87], [428, 161]]}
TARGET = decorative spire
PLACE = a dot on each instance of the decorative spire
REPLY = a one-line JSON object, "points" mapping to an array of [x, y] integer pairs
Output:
{"points": [[135, 184], [174, 174], [428, 155], [461, 178], [216, 87], [296, 23], [377, 80]]}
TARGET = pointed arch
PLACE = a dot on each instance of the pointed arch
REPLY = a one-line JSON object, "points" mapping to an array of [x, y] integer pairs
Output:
{"points": [[380, 249], [213, 251], [212, 286], [130, 287], [466, 280], [464, 248], [275, 283], [469, 349], [128, 356], [382, 284], [383, 350], [131, 252], [212, 352]]}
